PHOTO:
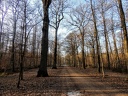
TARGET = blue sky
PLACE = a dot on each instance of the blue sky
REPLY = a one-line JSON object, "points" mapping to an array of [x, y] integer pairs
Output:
{"points": [[77, 2], [63, 31]]}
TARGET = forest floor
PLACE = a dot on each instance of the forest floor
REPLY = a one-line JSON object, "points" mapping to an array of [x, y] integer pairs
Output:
{"points": [[66, 81]]}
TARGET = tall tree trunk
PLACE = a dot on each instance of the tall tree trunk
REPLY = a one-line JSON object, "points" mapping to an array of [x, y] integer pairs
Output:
{"points": [[34, 46], [42, 72], [21, 58], [96, 36], [111, 53], [72, 53], [106, 40], [1, 33], [58, 18], [78, 58], [115, 45], [103, 72], [55, 51], [13, 46], [123, 26], [83, 53], [24, 40], [74, 58], [93, 52]]}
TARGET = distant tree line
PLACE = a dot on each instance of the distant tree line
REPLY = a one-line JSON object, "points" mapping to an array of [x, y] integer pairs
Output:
{"points": [[100, 37]]}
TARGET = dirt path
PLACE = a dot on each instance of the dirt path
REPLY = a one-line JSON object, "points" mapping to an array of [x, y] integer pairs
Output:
{"points": [[91, 85], [65, 81]]}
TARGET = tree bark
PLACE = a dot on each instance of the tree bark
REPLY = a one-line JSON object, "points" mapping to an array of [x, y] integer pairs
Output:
{"points": [[106, 40], [55, 51], [13, 45], [42, 72], [83, 53], [13, 48], [123, 26], [58, 12], [96, 37], [115, 45]]}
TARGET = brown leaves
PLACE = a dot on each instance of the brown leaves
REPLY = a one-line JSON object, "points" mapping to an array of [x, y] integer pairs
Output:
{"points": [[63, 82]]}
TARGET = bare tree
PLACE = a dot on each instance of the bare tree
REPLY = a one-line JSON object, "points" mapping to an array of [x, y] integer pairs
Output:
{"points": [[15, 11], [96, 35], [91, 44], [4, 7], [33, 47], [79, 19], [57, 15], [104, 7], [71, 46], [44, 50], [25, 31], [23, 42], [124, 28], [115, 42]]}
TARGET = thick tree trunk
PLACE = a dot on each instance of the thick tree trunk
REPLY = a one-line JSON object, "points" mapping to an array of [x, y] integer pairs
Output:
{"points": [[123, 26], [42, 72]]}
